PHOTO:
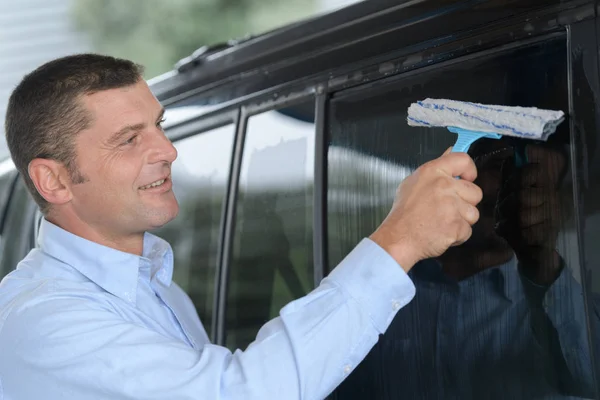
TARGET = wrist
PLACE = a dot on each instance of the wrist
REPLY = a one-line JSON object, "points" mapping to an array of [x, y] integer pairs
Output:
{"points": [[400, 250]]}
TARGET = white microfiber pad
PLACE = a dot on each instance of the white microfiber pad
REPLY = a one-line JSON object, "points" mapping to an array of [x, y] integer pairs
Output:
{"points": [[523, 122]]}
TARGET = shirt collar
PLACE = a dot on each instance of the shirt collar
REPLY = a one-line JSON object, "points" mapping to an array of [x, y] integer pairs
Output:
{"points": [[159, 254], [504, 277], [115, 271]]}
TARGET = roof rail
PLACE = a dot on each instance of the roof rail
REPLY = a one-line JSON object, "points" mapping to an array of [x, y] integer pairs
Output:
{"points": [[200, 54]]}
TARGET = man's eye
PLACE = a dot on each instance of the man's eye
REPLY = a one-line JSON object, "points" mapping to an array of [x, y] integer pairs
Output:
{"points": [[131, 140], [159, 123]]}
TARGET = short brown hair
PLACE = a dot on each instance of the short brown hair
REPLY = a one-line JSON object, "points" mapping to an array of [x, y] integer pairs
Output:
{"points": [[44, 112]]}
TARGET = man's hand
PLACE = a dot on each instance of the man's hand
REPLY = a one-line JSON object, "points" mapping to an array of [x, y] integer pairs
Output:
{"points": [[432, 211]]}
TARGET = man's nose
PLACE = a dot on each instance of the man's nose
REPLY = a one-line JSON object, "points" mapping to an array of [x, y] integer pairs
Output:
{"points": [[162, 149]]}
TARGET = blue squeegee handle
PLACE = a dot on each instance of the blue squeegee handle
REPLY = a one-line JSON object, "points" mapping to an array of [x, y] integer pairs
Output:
{"points": [[466, 138]]}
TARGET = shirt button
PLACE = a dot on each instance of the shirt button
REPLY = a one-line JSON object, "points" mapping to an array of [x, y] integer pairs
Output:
{"points": [[347, 369], [395, 305]]}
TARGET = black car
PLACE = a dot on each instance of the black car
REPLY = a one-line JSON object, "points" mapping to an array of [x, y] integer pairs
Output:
{"points": [[292, 144]]}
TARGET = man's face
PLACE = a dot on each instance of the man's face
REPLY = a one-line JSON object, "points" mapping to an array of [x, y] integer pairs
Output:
{"points": [[125, 159]]}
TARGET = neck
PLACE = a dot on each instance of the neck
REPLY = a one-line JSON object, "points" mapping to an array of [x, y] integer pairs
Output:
{"points": [[132, 243]]}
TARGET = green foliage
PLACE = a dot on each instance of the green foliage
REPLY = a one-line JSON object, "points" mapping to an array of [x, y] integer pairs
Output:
{"points": [[158, 33]]}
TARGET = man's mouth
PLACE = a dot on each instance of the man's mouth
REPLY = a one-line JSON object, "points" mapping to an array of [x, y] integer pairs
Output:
{"points": [[154, 184]]}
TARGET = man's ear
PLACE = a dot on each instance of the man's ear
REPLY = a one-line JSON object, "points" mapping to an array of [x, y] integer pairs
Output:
{"points": [[51, 180]]}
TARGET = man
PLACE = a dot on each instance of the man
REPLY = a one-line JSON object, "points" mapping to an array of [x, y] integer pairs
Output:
{"points": [[92, 313]]}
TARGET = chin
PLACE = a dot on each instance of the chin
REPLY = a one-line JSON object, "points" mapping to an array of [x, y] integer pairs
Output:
{"points": [[170, 216], [163, 216]]}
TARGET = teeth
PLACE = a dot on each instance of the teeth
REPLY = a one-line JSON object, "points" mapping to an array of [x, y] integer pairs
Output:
{"points": [[154, 184]]}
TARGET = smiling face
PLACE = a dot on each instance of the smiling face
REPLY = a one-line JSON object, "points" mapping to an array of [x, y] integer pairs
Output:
{"points": [[125, 161]]}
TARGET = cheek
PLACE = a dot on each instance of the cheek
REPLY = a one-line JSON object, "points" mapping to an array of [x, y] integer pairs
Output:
{"points": [[121, 173]]}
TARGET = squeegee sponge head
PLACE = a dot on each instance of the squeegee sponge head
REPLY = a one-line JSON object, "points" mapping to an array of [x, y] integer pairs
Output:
{"points": [[522, 122]]}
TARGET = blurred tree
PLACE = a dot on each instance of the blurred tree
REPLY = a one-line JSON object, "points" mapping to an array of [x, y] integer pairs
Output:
{"points": [[158, 33]]}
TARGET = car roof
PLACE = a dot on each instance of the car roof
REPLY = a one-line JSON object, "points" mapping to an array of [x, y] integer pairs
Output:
{"points": [[361, 31]]}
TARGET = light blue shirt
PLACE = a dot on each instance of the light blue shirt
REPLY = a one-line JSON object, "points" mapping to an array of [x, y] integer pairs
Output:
{"points": [[82, 321]]}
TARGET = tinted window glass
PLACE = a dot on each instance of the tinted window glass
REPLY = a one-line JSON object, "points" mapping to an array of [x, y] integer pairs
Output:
{"points": [[585, 90], [7, 178], [501, 316], [20, 216], [272, 252], [200, 177]]}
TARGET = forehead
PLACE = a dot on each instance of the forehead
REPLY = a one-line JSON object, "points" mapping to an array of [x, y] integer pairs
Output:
{"points": [[126, 105]]}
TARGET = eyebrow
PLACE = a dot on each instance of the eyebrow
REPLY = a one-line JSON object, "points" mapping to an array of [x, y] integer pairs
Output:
{"points": [[117, 136]]}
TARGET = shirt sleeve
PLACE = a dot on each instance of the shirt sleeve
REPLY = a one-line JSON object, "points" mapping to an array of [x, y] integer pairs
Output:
{"points": [[69, 348]]}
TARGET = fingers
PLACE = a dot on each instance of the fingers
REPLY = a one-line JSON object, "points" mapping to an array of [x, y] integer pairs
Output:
{"points": [[468, 212], [468, 191], [464, 234], [457, 164], [432, 210]]}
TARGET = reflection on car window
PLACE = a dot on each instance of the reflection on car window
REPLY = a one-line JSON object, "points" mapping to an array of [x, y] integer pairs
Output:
{"points": [[272, 260], [200, 176], [502, 316]]}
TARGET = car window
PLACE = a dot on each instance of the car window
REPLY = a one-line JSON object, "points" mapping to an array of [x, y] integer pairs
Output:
{"points": [[20, 216], [271, 260], [501, 316], [7, 177], [200, 178], [4, 152]]}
